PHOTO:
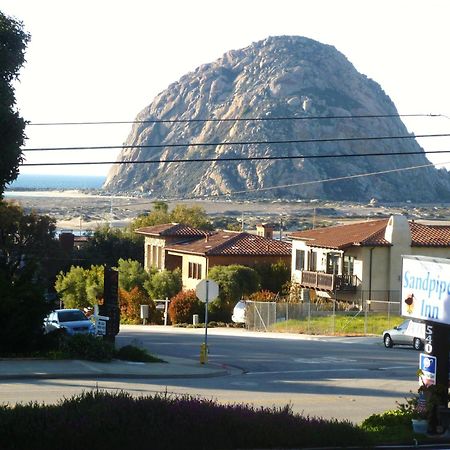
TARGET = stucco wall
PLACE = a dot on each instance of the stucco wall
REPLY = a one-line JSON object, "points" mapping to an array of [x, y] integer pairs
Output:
{"points": [[156, 242]]}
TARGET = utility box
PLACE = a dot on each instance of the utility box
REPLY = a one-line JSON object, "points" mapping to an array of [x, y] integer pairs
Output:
{"points": [[195, 319], [144, 312]]}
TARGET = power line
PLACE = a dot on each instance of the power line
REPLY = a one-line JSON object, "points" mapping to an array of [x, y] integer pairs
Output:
{"points": [[235, 119], [303, 183], [231, 159], [215, 144], [326, 180]]}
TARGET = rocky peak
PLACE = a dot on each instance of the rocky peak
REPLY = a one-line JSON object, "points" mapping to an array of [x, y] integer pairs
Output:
{"points": [[284, 76]]}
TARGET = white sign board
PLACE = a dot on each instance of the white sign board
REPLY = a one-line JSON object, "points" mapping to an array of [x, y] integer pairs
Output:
{"points": [[426, 289], [101, 327], [207, 290]]}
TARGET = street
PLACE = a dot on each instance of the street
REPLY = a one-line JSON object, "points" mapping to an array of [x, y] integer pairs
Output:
{"points": [[344, 378]]}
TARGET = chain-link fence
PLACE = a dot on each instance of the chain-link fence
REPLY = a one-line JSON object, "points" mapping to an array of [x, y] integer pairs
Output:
{"points": [[324, 316]]}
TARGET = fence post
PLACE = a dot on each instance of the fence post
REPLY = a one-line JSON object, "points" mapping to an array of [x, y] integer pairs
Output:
{"points": [[366, 315]]}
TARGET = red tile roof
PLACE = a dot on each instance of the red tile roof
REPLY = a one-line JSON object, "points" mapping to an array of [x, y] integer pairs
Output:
{"points": [[371, 233], [429, 235], [231, 243], [172, 230], [344, 236]]}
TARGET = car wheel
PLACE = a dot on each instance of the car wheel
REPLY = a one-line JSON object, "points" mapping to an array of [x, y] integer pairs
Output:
{"points": [[388, 341], [417, 344]]}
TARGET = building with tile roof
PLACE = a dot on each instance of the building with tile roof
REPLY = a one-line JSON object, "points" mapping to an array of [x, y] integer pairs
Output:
{"points": [[195, 251], [363, 261]]}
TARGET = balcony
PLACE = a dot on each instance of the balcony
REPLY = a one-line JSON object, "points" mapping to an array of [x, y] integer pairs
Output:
{"points": [[322, 281]]}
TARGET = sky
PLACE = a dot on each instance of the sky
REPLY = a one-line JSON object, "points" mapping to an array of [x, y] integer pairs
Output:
{"points": [[105, 60]]}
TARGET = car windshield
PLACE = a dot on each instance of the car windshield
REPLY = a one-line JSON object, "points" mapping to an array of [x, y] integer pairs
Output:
{"points": [[71, 316]]}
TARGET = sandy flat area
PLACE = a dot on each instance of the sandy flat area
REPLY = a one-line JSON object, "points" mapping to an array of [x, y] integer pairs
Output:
{"points": [[78, 210]]}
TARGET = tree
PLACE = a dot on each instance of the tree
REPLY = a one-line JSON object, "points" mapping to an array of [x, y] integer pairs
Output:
{"points": [[164, 284], [274, 276], [108, 245], [234, 282], [131, 274], [194, 216], [13, 42], [130, 305], [26, 240], [28, 252], [80, 288], [159, 215], [22, 312]]}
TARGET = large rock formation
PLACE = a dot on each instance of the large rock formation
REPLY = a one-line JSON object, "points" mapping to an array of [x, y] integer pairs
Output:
{"points": [[286, 76]]}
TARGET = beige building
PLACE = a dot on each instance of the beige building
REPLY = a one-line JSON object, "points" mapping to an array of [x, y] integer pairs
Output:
{"points": [[363, 261], [170, 246]]}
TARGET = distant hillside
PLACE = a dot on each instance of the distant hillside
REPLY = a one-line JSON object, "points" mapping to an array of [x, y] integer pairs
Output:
{"points": [[283, 76]]}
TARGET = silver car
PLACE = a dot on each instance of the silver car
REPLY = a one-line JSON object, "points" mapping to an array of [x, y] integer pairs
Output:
{"points": [[70, 321], [398, 336]]}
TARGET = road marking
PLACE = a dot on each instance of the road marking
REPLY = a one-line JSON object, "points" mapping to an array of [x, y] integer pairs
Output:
{"points": [[281, 372], [355, 369], [325, 359], [244, 383]]}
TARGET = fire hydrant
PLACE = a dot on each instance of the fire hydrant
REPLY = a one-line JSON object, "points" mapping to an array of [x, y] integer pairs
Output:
{"points": [[203, 353]]}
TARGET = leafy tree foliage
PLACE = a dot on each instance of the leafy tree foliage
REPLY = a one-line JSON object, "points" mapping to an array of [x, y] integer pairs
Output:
{"points": [[263, 296], [234, 282], [273, 276], [28, 251], [26, 240], [164, 284], [22, 312], [158, 215], [13, 42], [131, 274], [130, 305], [80, 288], [108, 245], [194, 216]]}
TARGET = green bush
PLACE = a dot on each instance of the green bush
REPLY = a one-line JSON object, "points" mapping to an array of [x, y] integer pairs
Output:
{"points": [[86, 346], [183, 306], [103, 420], [133, 353]]}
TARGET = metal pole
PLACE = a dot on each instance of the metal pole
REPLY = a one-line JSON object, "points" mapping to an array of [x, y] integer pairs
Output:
{"points": [[206, 315], [166, 307]]}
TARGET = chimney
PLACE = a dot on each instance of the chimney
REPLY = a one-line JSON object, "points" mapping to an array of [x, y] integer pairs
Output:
{"points": [[264, 230]]}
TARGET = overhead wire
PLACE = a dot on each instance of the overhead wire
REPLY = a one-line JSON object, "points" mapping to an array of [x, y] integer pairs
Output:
{"points": [[232, 143], [232, 119], [234, 159]]}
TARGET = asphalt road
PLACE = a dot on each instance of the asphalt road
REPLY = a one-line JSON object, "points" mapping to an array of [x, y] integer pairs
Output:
{"points": [[345, 378]]}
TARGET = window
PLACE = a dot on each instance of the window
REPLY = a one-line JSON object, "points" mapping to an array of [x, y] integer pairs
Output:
{"points": [[299, 259], [349, 262], [312, 261], [155, 256], [333, 263], [195, 271]]}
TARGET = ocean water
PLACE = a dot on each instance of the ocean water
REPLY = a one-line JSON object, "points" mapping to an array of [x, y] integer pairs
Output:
{"points": [[32, 182]]}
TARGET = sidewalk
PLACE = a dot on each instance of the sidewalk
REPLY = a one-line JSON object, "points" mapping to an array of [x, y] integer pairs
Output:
{"points": [[16, 369]]}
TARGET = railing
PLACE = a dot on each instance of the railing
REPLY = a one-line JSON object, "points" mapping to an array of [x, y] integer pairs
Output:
{"points": [[327, 281]]}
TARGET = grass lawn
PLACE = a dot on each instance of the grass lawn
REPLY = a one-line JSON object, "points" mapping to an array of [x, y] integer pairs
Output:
{"points": [[341, 324]]}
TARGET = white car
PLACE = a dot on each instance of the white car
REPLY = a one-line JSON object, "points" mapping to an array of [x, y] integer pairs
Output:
{"points": [[239, 312], [70, 321], [407, 333]]}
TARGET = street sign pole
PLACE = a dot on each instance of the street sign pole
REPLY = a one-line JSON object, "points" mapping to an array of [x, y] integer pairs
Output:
{"points": [[206, 290], [206, 316]]}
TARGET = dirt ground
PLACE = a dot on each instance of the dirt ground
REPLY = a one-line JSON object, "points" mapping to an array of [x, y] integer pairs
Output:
{"points": [[76, 210]]}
